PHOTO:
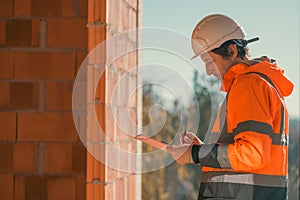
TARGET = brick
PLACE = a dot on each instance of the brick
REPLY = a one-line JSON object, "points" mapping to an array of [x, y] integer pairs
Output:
{"points": [[25, 157], [98, 124], [65, 8], [69, 8], [113, 14], [91, 12], [133, 19], [98, 191], [126, 128], [6, 186], [2, 32], [83, 8], [24, 95], [112, 86], [125, 19], [132, 62], [95, 191], [58, 158], [132, 167], [121, 62], [121, 187], [45, 65], [76, 8], [93, 76], [112, 76], [6, 64], [99, 162], [100, 90], [120, 94], [89, 191], [7, 126], [73, 8], [80, 57], [61, 188], [110, 191], [96, 36], [97, 11], [100, 10], [96, 162], [6, 8], [19, 95], [78, 158], [95, 168], [67, 33], [47, 127], [46, 8], [131, 187], [98, 57], [132, 4], [110, 122], [6, 157], [81, 124], [19, 33], [59, 95], [5, 95], [35, 33], [89, 166], [81, 188], [112, 163], [132, 147], [20, 185], [30, 187], [22, 8], [124, 160]]}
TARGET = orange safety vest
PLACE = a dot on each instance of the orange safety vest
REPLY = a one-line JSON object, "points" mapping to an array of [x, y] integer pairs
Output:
{"points": [[248, 154]]}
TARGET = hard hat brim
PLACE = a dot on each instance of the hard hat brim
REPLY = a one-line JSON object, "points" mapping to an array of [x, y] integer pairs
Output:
{"points": [[194, 56]]}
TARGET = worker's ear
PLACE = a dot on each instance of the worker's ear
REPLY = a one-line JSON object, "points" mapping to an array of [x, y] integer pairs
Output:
{"points": [[232, 50]]}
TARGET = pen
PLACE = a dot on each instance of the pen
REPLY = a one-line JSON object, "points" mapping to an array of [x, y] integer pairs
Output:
{"points": [[185, 129], [184, 132]]}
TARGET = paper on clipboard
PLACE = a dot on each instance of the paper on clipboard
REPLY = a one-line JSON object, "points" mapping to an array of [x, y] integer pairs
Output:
{"points": [[153, 142]]}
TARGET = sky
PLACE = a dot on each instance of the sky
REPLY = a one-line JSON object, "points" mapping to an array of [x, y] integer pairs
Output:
{"points": [[275, 22]]}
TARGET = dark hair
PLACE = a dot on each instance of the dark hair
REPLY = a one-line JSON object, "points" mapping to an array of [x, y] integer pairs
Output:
{"points": [[226, 54]]}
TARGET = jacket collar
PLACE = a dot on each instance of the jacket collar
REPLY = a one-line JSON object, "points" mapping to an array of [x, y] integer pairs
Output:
{"points": [[272, 71], [231, 74]]}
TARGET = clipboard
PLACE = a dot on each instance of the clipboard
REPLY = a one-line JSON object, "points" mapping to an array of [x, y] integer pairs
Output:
{"points": [[153, 142]]}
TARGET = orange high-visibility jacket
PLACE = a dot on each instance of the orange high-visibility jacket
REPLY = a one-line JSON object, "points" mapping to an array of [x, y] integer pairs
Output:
{"points": [[248, 156]]}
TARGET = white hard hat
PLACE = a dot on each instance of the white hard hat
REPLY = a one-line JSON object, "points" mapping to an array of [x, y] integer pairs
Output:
{"points": [[212, 31]]}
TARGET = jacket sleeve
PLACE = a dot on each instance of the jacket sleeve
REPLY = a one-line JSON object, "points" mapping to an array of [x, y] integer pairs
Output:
{"points": [[249, 119]]}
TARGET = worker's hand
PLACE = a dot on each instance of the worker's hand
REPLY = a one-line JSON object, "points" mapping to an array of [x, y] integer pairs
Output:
{"points": [[189, 138], [181, 153]]}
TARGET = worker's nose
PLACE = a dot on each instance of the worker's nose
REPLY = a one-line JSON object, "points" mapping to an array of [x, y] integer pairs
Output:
{"points": [[209, 69]]}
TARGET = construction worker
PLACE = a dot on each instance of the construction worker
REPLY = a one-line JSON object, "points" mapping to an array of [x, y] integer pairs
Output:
{"points": [[248, 155]]}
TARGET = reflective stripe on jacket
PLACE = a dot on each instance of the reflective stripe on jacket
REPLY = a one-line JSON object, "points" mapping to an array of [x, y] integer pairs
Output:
{"points": [[249, 149]]}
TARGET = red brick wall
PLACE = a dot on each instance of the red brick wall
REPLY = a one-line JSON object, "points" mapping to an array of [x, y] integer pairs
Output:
{"points": [[105, 182], [42, 45]]}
